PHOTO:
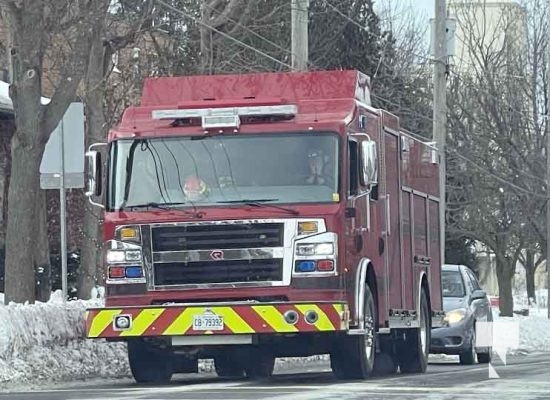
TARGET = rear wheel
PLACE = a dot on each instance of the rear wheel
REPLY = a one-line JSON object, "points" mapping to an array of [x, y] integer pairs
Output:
{"points": [[413, 351], [353, 357], [150, 364]]}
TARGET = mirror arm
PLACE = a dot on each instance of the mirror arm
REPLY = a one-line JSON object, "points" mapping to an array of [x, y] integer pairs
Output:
{"points": [[94, 203]]}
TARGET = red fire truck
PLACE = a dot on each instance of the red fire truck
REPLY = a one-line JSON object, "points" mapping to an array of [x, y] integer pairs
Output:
{"points": [[255, 216]]}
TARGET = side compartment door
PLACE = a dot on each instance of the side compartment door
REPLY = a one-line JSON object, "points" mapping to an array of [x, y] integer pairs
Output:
{"points": [[392, 232]]}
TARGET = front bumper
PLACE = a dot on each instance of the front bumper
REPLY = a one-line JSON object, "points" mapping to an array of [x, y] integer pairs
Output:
{"points": [[451, 339], [239, 318]]}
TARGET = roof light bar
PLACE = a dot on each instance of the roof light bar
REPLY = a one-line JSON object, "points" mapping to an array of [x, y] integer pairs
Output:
{"points": [[220, 121], [283, 110]]}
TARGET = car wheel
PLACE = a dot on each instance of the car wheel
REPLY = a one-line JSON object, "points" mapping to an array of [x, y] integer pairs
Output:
{"points": [[485, 358], [468, 357]]}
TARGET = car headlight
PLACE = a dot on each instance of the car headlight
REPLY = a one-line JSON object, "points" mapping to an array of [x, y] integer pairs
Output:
{"points": [[314, 249], [455, 316]]}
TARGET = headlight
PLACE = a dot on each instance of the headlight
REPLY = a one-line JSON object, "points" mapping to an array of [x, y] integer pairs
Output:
{"points": [[121, 256], [455, 316], [315, 249]]}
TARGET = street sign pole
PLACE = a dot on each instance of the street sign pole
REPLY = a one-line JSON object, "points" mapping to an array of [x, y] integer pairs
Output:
{"points": [[62, 168], [63, 214]]}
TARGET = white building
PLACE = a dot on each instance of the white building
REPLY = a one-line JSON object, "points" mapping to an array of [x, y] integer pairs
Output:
{"points": [[487, 31]]}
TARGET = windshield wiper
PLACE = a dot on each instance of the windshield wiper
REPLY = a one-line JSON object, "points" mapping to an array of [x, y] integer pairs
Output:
{"points": [[260, 203], [165, 206]]}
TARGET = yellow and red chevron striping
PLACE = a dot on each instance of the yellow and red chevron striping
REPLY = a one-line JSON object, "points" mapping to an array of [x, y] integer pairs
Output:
{"points": [[177, 320]]}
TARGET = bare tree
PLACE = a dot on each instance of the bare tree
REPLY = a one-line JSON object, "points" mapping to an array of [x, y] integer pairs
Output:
{"points": [[32, 25], [496, 143]]}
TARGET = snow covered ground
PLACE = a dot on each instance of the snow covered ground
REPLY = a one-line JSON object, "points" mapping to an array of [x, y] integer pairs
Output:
{"points": [[45, 342]]}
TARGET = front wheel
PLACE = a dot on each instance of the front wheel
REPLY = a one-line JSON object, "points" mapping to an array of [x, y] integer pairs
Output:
{"points": [[414, 350], [150, 364], [468, 357], [353, 356], [228, 365], [260, 365]]}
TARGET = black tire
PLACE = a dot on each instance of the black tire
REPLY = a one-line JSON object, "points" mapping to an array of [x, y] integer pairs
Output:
{"points": [[485, 358], [353, 357], [149, 364], [228, 367], [414, 350], [384, 364], [185, 365], [468, 356], [260, 364]]}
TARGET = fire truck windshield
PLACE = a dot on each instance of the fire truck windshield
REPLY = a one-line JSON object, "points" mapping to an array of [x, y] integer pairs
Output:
{"points": [[184, 171]]}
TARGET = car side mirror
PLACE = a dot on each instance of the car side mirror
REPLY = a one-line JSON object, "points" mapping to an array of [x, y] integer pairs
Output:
{"points": [[478, 295]]}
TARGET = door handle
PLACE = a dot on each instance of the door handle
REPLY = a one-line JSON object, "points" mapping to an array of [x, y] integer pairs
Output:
{"points": [[388, 215]]}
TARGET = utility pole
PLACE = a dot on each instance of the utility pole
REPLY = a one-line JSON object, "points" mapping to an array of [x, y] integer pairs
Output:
{"points": [[299, 25], [440, 108], [548, 176]]}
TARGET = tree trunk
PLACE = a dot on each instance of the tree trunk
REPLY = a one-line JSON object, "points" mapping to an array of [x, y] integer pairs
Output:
{"points": [[3, 192], [530, 275], [95, 131], [42, 250], [505, 272], [21, 235]]}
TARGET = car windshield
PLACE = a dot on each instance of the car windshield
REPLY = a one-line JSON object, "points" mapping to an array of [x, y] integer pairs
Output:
{"points": [[452, 284], [196, 171]]}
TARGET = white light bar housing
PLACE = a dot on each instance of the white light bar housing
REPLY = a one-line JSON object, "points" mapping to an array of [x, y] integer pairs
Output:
{"points": [[227, 117]]}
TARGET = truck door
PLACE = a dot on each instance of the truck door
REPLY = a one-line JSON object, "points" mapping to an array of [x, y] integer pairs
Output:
{"points": [[358, 211], [392, 235]]}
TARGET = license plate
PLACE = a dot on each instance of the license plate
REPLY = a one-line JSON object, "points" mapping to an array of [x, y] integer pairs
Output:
{"points": [[208, 322]]}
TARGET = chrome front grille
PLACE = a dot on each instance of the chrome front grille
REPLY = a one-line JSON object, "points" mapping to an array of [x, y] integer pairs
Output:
{"points": [[197, 273], [217, 253], [219, 236]]}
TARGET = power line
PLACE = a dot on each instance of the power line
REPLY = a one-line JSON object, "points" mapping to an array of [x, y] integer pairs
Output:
{"points": [[225, 35], [508, 105], [498, 178], [354, 22], [272, 43]]}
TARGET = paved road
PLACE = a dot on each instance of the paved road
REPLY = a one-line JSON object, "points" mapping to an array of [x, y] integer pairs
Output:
{"points": [[523, 378]]}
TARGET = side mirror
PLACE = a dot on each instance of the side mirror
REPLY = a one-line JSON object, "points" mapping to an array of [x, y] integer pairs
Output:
{"points": [[369, 163], [93, 173], [478, 295]]}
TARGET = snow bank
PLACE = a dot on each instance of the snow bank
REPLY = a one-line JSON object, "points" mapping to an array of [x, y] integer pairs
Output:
{"points": [[534, 330], [46, 341]]}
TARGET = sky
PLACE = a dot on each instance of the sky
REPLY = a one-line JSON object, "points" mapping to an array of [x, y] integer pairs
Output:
{"points": [[424, 6]]}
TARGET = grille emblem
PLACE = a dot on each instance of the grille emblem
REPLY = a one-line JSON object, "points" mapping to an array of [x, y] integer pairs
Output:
{"points": [[216, 255]]}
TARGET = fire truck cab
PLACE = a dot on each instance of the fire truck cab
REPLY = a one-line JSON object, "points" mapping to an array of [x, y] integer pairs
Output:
{"points": [[255, 216]]}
